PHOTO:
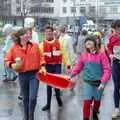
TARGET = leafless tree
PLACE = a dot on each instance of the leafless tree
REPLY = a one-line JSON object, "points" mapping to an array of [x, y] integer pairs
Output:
{"points": [[24, 7]]}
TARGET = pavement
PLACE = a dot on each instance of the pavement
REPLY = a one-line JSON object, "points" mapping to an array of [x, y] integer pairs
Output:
{"points": [[12, 109]]}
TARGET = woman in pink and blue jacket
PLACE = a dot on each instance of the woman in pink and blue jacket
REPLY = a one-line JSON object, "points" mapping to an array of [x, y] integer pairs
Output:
{"points": [[96, 73]]}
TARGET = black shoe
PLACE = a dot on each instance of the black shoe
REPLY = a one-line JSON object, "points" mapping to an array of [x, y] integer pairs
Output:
{"points": [[14, 78], [45, 108], [20, 97], [26, 117], [7, 80], [31, 117], [95, 115], [60, 103]]}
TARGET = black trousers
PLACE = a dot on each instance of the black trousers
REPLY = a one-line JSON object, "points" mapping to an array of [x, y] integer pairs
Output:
{"points": [[116, 81], [57, 70]]}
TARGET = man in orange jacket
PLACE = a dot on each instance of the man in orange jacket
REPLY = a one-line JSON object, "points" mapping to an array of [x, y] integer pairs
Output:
{"points": [[26, 59], [54, 55]]}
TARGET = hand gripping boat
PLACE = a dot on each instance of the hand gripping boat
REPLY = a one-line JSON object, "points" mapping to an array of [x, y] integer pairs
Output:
{"points": [[56, 80]]}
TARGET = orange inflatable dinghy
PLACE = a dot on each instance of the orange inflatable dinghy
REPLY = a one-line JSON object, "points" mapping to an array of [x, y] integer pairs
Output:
{"points": [[56, 80]]}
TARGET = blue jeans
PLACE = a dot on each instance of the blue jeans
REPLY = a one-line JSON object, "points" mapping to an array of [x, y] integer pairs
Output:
{"points": [[90, 92], [116, 81], [29, 87]]}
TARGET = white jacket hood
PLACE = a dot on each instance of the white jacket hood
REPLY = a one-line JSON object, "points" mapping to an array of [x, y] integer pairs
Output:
{"points": [[7, 29]]}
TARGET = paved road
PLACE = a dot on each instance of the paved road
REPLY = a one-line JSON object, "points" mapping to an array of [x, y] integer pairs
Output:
{"points": [[11, 108]]}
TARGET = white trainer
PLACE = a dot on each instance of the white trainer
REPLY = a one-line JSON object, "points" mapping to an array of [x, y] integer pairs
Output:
{"points": [[116, 113]]}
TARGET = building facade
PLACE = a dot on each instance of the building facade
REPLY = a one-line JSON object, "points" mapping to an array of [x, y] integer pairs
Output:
{"points": [[64, 11], [67, 11], [5, 7]]}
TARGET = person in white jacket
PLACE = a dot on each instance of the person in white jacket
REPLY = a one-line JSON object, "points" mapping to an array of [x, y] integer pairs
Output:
{"points": [[66, 40], [81, 40], [30, 23], [9, 74]]}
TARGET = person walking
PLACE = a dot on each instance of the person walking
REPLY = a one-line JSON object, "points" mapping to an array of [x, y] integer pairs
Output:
{"points": [[81, 39], [66, 41], [54, 55], [9, 74], [114, 54], [25, 58], [96, 73], [29, 23]]}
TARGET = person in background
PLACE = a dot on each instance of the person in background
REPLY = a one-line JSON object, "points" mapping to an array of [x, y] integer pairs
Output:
{"points": [[97, 72], [25, 58], [66, 41], [30, 23], [54, 56], [114, 54], [10, 75], [113, 28], [81, 39], [56, 35], [98, 39]]}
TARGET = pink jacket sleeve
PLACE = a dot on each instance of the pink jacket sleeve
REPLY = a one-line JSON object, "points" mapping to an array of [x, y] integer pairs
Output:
{"points": [[106, 68], [78, 65]]}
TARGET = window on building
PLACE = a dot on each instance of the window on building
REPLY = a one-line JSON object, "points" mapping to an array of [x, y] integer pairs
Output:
{"points": [[92, 9], [42, 10], [64, 10], [73, 0], [17, 1], [114, 10], [102, 10], [83, 10], [73, 9], [50, 1], [18, 9], [64, 1]]}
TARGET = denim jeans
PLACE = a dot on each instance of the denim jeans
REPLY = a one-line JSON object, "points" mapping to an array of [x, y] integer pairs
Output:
{"points": [[116, 81], [29, 87]]}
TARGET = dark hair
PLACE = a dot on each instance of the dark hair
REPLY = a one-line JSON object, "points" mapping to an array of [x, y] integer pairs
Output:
{"points": [[15, 34], [90, 38], [113, 25], [116, 24], [19, 33], [93, 39], [84, 32], [49, 27], [63, 29]]}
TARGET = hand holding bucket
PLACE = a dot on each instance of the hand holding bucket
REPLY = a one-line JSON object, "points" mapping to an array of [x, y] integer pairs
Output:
{"points": [[56, 80]]}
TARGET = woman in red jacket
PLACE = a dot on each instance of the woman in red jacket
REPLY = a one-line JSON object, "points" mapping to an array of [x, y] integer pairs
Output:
{"points": [[114, 54]]}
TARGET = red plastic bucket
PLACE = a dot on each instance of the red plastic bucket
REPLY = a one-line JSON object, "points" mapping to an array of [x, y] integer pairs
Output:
{"points": [[56, 80]]}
